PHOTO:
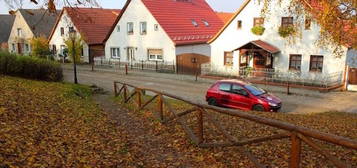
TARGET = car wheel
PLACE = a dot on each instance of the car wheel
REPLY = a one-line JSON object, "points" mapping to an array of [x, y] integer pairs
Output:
{"points": [[212, 101], [258, 107]]}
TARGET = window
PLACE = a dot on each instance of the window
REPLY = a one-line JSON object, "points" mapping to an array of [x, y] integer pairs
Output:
{"points": [[118, 28], [54, 49], [143, 29], [239, 90], [287, 21], [259, 21], [316, 63], [115, 52], [130, 28], [295, 62], [13, 47], [62, 31], [228, 58], [239, 24], [19, 32], [206, 23], [307, 23], [225, 87], [71, 29], [156, 27], [27, 47], [194, 23], [155, 54]]}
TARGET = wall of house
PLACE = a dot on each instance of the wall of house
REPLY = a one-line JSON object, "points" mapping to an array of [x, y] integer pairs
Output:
{"points": [[58, 40], [233, 38], [203, 49], [136, 12], [25, 38]]}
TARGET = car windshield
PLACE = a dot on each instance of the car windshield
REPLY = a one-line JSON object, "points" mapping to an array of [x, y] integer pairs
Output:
{"points": [[254, 90]]}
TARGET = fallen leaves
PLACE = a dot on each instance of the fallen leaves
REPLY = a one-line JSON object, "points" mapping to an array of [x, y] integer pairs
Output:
{"points": [[46, 124]]}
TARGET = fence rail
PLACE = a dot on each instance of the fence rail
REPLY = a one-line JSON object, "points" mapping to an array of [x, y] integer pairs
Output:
{"points": [[296, 134], [158, 66]]}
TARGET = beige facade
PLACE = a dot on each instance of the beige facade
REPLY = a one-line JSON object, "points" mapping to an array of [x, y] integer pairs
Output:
{"points": [[20, 36]]}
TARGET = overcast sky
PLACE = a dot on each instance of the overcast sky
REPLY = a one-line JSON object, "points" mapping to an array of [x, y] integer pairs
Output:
{"points": [[218, 5]]}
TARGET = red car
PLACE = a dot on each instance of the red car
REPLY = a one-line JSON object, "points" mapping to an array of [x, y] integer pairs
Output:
{"points": [[241, 95]]}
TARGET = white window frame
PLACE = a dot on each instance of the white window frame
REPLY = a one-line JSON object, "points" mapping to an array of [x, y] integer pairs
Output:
{"points": [[118, 28], [142, 32], [116, 51], [128, 28], [156, 55]]}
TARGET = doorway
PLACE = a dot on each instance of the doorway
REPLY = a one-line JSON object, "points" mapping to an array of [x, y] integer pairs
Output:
{"points": [[131, 55]]}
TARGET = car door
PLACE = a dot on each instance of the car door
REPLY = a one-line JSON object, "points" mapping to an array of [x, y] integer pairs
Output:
{"points": [[240, 98], [224, 97]]}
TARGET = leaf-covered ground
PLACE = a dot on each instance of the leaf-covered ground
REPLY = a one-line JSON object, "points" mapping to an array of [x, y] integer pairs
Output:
{"points": [[46, 124], [60, 125], [273, 154]]}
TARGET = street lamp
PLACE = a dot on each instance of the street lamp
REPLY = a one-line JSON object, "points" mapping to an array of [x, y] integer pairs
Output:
{"points": [[73, 36]]}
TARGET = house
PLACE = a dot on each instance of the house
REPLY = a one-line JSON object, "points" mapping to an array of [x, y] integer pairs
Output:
{"points": [[169, 31], [251, 39], [90, 24], [6, 22], [29, 23]]}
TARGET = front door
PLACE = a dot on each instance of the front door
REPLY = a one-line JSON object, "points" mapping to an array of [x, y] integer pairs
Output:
{"points": [[259, 61], [131, 54], [19, 48], [352, 76]]}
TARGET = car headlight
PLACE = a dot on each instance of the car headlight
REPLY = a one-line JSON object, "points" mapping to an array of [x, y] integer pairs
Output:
{"points": [[273, 104]]}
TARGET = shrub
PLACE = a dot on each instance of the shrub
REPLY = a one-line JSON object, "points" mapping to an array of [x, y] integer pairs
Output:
{"points": [[40, 47], [286, 31], [258, 30], [30, 67]]}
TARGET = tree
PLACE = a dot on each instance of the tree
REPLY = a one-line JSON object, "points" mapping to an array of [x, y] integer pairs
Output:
{"points": [[74, 45], [40, 47]]}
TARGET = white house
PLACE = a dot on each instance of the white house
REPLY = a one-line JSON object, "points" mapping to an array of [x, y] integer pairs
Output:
{"points": [[172, 31], [236, 47], [29, 23], [90, 24]]}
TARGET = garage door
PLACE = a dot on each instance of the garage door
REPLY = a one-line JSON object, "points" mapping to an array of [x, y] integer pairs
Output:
{"points": [[352, 76], [191, 63]]}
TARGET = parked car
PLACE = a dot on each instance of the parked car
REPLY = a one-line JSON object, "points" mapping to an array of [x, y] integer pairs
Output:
{"points": [[241, 95]]}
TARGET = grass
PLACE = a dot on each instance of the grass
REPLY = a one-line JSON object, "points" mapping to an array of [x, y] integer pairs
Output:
{"points": [[47, 124]]}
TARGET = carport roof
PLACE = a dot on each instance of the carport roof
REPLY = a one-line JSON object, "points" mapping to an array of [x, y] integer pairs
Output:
{"points": [[263, 45]]}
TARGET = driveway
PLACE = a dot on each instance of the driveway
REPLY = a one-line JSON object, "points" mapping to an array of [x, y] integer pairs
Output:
{"points": [[302, 101]]}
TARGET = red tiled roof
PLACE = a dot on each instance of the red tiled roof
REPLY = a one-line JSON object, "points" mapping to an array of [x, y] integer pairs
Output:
{"points": [[224, 16], [176, 16], [93, 23], [263, 45]]}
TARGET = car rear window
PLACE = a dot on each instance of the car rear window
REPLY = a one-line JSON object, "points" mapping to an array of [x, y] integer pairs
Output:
{"points": [[225, 87]]}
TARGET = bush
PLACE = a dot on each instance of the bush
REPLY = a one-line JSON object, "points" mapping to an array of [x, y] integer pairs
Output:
{"points": [[258, 30], [286, 31], [30, 67]]}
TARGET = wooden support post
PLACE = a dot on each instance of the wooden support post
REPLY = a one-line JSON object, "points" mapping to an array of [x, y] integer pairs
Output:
{"points": [[138, 94], [200, 126], [125, 93], [295, 151], [160, 105], [115, 90]]}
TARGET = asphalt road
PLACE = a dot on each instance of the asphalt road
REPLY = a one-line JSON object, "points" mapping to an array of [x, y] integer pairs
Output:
{"points": [[187, 87]]}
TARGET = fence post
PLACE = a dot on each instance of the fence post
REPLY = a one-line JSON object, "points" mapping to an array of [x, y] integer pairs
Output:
{"points": [[126, 69], [160, 107], [115, 90], [156, 66], [200, 126], [288, 88], [295, 151], [142, 64], [125, 93], [119, 64], [138, 92], [131, 65]]}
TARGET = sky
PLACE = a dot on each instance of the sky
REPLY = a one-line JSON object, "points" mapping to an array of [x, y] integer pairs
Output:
{"points": [[217, 5]]}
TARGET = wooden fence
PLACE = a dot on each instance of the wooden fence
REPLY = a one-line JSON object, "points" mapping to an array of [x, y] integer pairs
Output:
{"points": [[296, 134]]}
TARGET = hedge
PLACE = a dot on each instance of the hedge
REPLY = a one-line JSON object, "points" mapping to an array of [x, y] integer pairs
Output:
{"points": [[30, 67]]}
